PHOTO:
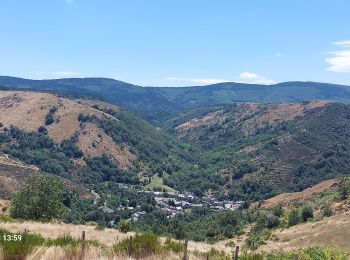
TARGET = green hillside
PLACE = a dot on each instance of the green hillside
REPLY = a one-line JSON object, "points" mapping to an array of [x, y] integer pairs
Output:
{"points": [[262, 150], [158, 104]]}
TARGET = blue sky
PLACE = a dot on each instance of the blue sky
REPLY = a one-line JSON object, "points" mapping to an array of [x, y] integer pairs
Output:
{"points": [[177, 43]]}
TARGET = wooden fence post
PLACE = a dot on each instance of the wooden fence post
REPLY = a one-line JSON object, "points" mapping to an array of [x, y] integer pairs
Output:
{"points": [[82, 244], [235, 257], [130, 247], [25, 234], [185, 250], [207, 258]]}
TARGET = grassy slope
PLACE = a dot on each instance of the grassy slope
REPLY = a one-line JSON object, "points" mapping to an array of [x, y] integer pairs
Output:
{"points": [[332, 231]]}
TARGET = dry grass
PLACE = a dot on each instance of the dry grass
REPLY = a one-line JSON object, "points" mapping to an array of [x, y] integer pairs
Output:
{"points": [[271, 114], [27, 111], [289, 198], [107, 236], [94, 142], [332, 231]]}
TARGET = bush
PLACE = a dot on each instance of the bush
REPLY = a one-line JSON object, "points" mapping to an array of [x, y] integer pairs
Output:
{"points": [[307, 212], [142, 245], [42, 130], [41, 197], [278, 210], [327, 211], [49, 119], [53, 110], [344, 188], [173, 246], [294, 217], [124, 226]]}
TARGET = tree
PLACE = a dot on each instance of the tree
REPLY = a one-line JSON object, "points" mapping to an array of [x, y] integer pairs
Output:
{"points": [[49, 119], [41, 197], [124, 225], [278, 210], [294, 217], [307, 212], [177, 228], [42, 130]]}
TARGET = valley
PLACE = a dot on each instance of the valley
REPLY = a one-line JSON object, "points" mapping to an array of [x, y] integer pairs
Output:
{"points": [[246, 173]]}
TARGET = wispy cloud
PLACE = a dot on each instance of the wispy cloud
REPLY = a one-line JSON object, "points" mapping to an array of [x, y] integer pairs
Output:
{"points": [[344, 44], [253, 78], [244, 77], [339, 61], [202, 81], [56, 74], [68, 1]]}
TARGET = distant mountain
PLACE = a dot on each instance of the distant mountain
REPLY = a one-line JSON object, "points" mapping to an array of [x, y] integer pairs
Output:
{"points": [[159, 103]]}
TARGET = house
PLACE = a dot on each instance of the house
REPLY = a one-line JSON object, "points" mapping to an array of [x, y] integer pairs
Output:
{"points": [[106, 209]]}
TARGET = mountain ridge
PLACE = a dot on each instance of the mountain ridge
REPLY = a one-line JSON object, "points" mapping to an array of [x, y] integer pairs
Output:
{"points": [[157, 104]]}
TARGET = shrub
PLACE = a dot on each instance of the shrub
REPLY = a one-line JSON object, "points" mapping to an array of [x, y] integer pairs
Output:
{"points": [[327, 211], [49, 119], [53, 110], [278, 210], [294, 217], [124, 226], [173, 246], [143, 245], [344, 188], [42, 130], [307, 212]]}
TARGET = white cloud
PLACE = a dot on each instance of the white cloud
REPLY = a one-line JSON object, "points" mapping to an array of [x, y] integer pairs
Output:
{"points": [[344, 44], [253, 78], [340, 60], [69, 1], [278, 54], [202, 81], [56, 74], [244, 77], [65, 73]]}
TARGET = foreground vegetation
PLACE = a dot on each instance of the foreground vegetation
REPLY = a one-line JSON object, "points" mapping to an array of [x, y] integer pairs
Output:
{"points": [[200, 224], [143, 246]]}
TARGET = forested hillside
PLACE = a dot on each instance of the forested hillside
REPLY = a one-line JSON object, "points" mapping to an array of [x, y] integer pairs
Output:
{"points": [[156, 104], [89, 142], [262, 150]]}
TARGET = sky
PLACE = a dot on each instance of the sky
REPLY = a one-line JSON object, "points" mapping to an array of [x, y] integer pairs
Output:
{"points": [[179, 42]]}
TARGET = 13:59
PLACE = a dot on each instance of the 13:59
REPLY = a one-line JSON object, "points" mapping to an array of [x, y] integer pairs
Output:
{"points": [[10, 237]]}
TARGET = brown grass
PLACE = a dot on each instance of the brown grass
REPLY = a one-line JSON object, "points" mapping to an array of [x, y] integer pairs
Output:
{"points": [[271, 114], [94, 142], [27, 111], [332, 231], [289, 198], [107, 236]]}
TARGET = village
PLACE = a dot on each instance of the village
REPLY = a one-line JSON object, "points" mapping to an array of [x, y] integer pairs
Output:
{"points": [[173, 203]]}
